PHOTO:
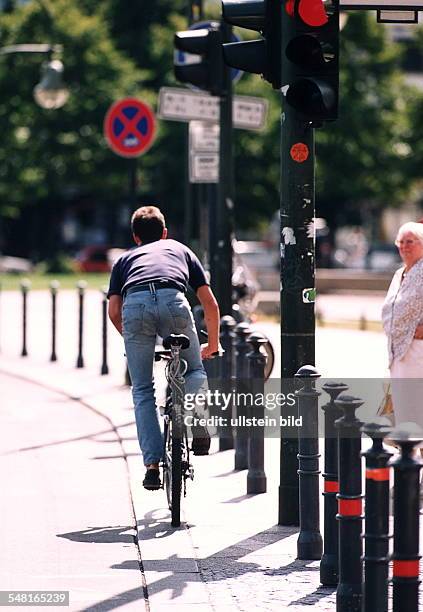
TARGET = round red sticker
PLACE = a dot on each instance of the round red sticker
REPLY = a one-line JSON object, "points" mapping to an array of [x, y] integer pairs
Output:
{"points": [[299, 152]]}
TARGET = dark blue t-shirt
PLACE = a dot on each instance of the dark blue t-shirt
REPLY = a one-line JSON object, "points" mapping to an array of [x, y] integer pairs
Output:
{"points": [[167, 260]]}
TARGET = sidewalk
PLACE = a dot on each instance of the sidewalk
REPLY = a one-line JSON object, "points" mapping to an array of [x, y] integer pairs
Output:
{"points": [[230, 553]]}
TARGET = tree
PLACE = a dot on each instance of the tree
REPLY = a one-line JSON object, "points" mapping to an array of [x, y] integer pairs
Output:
{"points": [[365, 158]]}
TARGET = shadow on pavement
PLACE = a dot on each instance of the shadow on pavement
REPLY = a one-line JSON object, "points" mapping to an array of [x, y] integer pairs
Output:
{"points": [[102, 535]]}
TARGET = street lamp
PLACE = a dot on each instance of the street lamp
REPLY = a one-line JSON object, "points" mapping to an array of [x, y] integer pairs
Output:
{"points": [[50, 92]]}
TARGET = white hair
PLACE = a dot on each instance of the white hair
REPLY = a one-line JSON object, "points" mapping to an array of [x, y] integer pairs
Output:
{"points": [[410, 227]]}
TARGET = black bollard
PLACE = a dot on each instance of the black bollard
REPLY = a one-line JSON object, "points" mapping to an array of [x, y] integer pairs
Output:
{"points": [[256, 476], [81, 286], [376, 535], [104, 366], [242, 331], [25, 286], [54, 286], [350, 506], [309, 543], [406, 556], [329, 562], [226, 370]]}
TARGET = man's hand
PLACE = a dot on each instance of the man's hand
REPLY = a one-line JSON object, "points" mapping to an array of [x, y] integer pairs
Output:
{"points": [[418, 334], [208, 352]]}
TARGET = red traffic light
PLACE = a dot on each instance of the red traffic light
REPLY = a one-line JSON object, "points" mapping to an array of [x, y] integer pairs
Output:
{"points": [[312, 12]]}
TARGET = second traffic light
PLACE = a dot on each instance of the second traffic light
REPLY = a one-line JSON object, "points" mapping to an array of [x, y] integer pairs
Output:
{"points": [[201, 63], [262, 56], [310, 58]]}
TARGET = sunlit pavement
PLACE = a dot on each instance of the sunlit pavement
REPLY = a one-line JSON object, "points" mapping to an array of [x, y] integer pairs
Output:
{"points": [[71, 501]]}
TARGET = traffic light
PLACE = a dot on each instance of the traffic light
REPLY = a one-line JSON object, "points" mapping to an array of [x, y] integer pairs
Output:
{"points": [[201, 64], [310, 58], [262, 56]]}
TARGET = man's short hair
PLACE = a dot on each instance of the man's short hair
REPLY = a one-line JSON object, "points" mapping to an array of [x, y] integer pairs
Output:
{"points": [[148, 223]]}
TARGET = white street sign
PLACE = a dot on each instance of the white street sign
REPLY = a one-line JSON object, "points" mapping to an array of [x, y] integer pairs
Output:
{"points": [[184, 105], [203, 137], [204, 168], [249, 113]]}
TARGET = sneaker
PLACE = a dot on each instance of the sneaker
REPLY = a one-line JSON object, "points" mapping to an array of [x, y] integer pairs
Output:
{"points": [[152, 480]]}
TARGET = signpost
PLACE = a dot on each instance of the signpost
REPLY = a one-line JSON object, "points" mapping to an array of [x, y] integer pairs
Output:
{"points": [[129, 129], [177, 104]]}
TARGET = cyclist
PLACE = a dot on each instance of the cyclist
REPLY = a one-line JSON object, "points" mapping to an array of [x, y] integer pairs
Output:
{"points": [[147, 298]]}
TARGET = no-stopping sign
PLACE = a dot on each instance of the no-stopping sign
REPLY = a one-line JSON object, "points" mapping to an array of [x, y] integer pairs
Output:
{"points": [[129, 127]]}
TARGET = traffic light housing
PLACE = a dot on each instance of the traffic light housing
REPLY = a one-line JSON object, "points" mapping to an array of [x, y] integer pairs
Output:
{"points": [[310, 58], [203, 67], [261, 56]]}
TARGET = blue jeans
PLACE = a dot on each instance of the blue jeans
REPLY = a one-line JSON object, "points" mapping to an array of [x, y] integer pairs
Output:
{"points": [[145, 315]]}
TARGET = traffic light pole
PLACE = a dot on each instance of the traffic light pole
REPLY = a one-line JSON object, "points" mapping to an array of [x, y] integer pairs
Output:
{"points": [[297, 283], [221, 250]]}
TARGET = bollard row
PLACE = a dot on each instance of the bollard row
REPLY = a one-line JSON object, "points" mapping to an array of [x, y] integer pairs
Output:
{"points": [[25, 286], [363, 579], [239, 372]]}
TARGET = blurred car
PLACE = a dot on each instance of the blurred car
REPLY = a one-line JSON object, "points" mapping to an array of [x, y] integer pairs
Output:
{"points": [[97, 258], [383, 258], [15, 265]]}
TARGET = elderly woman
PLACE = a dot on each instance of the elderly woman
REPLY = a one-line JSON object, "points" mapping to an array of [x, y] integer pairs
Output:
{"points": [[402, 317]]}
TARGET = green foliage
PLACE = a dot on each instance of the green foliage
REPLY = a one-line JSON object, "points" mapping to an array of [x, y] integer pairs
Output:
{"points": [[365, 158]]}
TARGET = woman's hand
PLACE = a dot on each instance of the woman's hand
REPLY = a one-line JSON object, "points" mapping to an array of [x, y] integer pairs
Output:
{"points": [[418, 334]]}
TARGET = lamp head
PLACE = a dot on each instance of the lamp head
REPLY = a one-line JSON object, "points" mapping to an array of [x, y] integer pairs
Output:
{"points": [[51, 92]]}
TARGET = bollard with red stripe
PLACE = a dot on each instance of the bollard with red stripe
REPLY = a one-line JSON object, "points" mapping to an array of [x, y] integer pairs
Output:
{"points": [[376, 534], [406, 555], [329, 562], [350, 506]]}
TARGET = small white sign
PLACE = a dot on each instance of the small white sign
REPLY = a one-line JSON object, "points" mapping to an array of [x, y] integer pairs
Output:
{"points": [[183, 105], [178, 104], [203, 137], [204, 168], [250, 113]]}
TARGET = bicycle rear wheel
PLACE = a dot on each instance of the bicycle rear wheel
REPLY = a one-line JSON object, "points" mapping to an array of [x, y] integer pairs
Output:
{"points": [[176, 485], [172, 468]]}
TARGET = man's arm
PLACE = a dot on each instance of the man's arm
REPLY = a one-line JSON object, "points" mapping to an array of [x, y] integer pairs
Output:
{"points": [[115, 311], [212, 319]]}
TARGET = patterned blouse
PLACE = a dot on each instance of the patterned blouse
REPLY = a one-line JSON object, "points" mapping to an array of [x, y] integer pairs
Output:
{"points": [[402, 310]]}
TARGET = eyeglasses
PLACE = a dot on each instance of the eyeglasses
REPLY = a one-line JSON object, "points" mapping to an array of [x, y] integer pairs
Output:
{"points": [[406, 242]]}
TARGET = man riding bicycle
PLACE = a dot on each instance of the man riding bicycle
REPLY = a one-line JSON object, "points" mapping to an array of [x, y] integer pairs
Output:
{"points": [[146, 299]]}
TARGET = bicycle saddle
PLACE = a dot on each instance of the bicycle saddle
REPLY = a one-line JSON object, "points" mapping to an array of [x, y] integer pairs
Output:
{"points": [[176, 340]]}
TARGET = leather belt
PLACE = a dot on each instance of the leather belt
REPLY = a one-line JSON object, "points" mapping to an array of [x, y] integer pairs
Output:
{"points": [[152, 286]]}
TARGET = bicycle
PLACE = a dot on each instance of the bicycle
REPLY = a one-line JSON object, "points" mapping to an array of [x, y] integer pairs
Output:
{"points": [[176, 465]]}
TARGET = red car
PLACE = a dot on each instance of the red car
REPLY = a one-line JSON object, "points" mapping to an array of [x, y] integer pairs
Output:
{"points": [[97, 258]]}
